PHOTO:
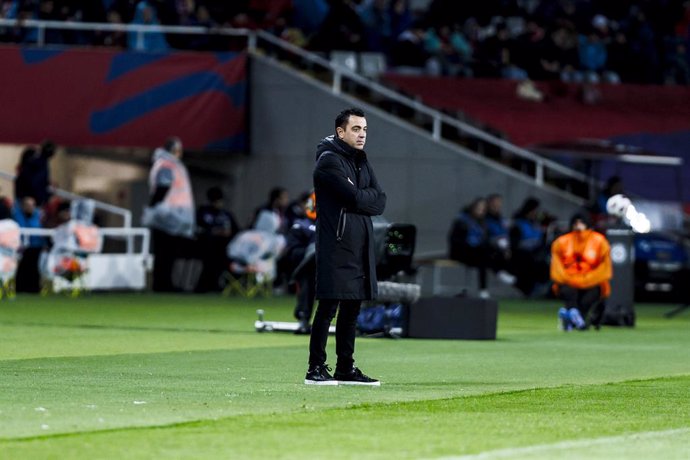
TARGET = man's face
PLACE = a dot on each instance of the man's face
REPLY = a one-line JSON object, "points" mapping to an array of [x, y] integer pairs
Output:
{"points": [[495, 205], [178, 150], [579, 226], [28, 205], [355, 132]]}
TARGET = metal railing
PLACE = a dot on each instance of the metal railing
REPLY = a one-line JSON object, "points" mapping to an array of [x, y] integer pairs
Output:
{"points": [[140, 29], [126, 214], [541, 166], [531, 164]]}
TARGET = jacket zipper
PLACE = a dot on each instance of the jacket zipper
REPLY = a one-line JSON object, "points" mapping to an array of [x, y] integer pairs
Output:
{"points": [[340, 229]]}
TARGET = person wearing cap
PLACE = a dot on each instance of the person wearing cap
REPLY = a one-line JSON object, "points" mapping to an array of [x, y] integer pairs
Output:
{"points": [[581, 271]]}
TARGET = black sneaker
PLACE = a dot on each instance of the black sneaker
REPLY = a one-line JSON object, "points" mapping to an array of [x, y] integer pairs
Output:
{"points": [[355, 377], [319, 375]]}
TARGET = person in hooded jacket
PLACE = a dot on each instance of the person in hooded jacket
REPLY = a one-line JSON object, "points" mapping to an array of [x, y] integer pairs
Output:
{"points": [[347, 195], [170, 212]]}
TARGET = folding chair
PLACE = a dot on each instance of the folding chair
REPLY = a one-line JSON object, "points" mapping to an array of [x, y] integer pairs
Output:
{"points": [[252, 269], [66, 264]]}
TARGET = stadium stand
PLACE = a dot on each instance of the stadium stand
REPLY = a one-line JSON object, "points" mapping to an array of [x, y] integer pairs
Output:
{"points": [[574, 40]]}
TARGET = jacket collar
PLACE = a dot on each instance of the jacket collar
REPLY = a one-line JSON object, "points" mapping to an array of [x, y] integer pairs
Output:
{"points": [[348, 150]]}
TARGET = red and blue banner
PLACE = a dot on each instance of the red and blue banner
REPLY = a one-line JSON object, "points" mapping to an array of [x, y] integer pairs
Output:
{"points": [[105, 98]]}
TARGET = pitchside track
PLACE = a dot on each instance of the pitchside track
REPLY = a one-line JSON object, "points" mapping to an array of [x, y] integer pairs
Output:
{"points": [[145, 376]]}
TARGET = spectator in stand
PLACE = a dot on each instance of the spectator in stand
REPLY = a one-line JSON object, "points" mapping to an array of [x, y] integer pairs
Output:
{"points": [[267, 13], [170, 212], [643, 44], [593, 53], [126, 9], [48, 11], [217, 227], [18, 34], [342, 29], [634, 33], [581, 271], [677, 69], [27, 215], [112, 38], [451, 52], [375, 17], [400, 17], [145, 14], [620, 57], [201, 17], [528, 248], [309, 15], [408, 50], [469, 245], [561, 58], [33, 173], [497, 56]]}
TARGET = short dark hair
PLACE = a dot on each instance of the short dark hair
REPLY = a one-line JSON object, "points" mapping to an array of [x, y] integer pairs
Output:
{"points": [[214, 194], [171, 142], [343, 117], [48, 148], [582, 217], [275, 193]]}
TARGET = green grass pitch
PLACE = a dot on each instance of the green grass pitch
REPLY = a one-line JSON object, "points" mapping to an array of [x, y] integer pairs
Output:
{"points": [[141, 376]]}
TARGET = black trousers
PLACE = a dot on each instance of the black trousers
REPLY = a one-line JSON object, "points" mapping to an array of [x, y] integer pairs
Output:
{"points": [[28, 276], [167, 249], [587, 301], [345, 330], [306, 290]]}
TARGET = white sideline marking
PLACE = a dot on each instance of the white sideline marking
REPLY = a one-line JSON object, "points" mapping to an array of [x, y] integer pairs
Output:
{"points": [[581, 443]]}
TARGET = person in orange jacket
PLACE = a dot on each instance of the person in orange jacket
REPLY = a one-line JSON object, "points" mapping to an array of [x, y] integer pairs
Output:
{"points": [[581, 271]]}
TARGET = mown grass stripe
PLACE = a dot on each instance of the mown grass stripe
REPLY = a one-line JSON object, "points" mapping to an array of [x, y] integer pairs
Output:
{"points": [[555, 448]]}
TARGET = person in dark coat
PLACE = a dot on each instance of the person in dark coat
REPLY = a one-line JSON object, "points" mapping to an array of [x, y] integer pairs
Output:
{"points": [[33, 173], [347, 195]]}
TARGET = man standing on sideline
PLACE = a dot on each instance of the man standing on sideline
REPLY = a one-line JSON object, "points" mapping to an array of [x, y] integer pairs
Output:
{"points": [[170, 212], [347, 195]]}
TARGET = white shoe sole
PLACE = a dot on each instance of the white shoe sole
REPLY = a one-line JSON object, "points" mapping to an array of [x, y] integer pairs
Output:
{"points": [[322, 383], [369, 384]]}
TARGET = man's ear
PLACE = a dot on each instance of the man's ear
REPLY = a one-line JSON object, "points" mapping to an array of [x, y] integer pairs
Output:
{"points": [[339, 131]]}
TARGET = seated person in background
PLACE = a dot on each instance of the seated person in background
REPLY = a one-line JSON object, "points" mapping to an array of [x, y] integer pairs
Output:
{"points": [[496, 226], [216, 228], [581, 270], [27, 215], [300, 264], [278, 200], [257, 250], [528, 248], [296, 208], [469, 244]]}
